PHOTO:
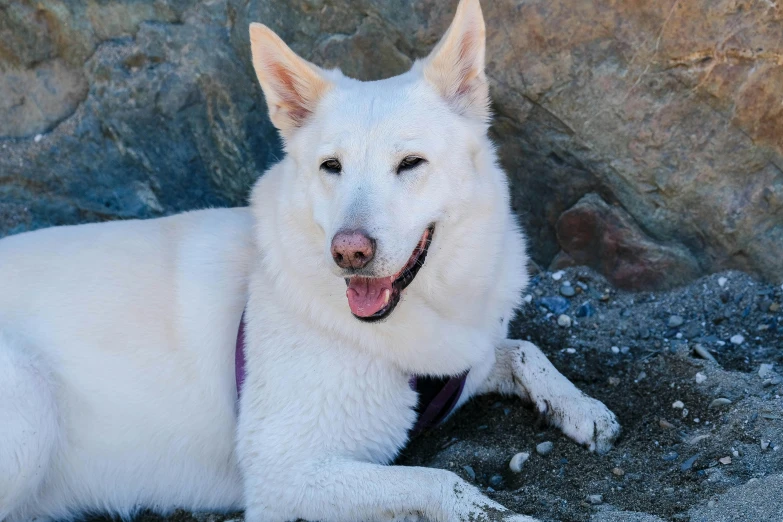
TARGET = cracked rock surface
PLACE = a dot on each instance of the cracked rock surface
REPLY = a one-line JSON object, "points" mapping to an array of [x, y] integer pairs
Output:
{"points": [[669, 112]]}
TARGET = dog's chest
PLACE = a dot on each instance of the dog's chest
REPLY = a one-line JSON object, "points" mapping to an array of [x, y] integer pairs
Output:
{"points": [[372, 412], [331, 400]]}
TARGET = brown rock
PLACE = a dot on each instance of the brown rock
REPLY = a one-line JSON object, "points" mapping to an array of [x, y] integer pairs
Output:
{"points": [[607, 239]]}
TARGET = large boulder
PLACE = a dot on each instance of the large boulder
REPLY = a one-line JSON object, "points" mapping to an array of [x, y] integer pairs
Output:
{"points": [[149, 109], [669, 113]]}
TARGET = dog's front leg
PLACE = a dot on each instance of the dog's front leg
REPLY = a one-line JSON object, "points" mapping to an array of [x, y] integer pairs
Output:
{"points": [[349, 491], [522, 369]]}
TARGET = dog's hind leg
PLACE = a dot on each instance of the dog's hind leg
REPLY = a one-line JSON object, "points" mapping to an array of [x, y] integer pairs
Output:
{"points": [[522, 369], [28, 428]]}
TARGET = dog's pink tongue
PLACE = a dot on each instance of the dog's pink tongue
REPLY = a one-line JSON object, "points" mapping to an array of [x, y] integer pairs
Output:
{"points": [[367, 296]]}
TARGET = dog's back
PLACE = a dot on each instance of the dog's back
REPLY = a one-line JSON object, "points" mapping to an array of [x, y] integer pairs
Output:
{"points": [[157, 301]]}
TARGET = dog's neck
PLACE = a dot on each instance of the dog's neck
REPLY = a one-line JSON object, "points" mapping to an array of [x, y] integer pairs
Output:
{"points": [[438, 396]]}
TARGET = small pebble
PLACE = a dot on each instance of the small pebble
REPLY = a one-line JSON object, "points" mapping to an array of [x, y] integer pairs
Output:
{"points": [[719, 402], [678, 405], [557, 276], [555, 304], [691, 330], [672, 455], [737, 339], [624, 350], [764, 444], [545, 448], [615, 349], [704, 354], [496, 480], [517, 461], [722, 281], [614, 381], [765, 370], [567, 290], [585, 310], [38, 137], [774, 307], [688, 464], [570, 350], [564, 321], [663, 423], [595, 499], [528, 299], [618, 472], [470, 472], [698, 438], [725, 460], [675, 321], [700, 378]]}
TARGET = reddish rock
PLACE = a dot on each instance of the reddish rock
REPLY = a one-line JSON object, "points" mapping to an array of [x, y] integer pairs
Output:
{"points": [[608, 240]]}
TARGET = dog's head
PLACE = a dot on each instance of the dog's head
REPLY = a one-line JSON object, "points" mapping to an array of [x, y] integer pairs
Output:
{"points": [[385, 167]]}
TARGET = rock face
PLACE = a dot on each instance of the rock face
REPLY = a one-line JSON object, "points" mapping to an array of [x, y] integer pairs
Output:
{"points": [[591, 233], [669, 113]]}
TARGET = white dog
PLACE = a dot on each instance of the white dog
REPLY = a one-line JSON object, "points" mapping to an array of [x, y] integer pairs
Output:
{"points": [[118, 388]]}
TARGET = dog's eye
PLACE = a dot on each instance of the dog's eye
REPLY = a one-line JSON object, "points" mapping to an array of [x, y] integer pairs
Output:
{"points": [[410, 163], [332, 166]]}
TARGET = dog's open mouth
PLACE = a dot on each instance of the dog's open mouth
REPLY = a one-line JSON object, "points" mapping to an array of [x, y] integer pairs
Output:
{"points": [[373, 298]]}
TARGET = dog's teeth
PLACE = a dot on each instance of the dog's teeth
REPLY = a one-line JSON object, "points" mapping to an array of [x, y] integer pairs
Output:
{"points": [[386, 296]]}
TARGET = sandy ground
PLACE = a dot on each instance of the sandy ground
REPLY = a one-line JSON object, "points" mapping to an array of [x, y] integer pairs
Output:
{"points": [[683, 455]]}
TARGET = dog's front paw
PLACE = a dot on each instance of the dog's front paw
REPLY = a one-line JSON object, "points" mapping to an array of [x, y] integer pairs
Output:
{"points": [[584, 419]]}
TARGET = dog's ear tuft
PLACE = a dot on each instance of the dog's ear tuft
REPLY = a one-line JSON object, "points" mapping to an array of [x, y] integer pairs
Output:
{"points": [[456, 66], [292, 86]]}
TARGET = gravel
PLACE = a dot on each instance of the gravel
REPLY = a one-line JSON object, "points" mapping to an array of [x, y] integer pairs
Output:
{"points": [[654, 473]]}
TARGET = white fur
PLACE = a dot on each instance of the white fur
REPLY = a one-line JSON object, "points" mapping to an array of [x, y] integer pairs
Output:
{"points": [[117, 383]]}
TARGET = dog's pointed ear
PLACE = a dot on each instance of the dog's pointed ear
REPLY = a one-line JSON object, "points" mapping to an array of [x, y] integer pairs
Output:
{"points": [[456, 66], [292, 86]]}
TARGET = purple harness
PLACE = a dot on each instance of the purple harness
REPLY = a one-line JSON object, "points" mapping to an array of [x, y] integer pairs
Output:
{"points": [[437, 396]]}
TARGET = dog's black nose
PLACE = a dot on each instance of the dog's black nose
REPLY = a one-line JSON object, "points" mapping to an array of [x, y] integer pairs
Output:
{"points": [[352, 249]]}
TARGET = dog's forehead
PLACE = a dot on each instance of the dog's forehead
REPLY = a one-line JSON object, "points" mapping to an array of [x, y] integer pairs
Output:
{"points": [[394, 110]]}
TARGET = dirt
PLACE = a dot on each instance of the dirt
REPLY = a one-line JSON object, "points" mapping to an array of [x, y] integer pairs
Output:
{"points": [[667, 464], [647, 471]]}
